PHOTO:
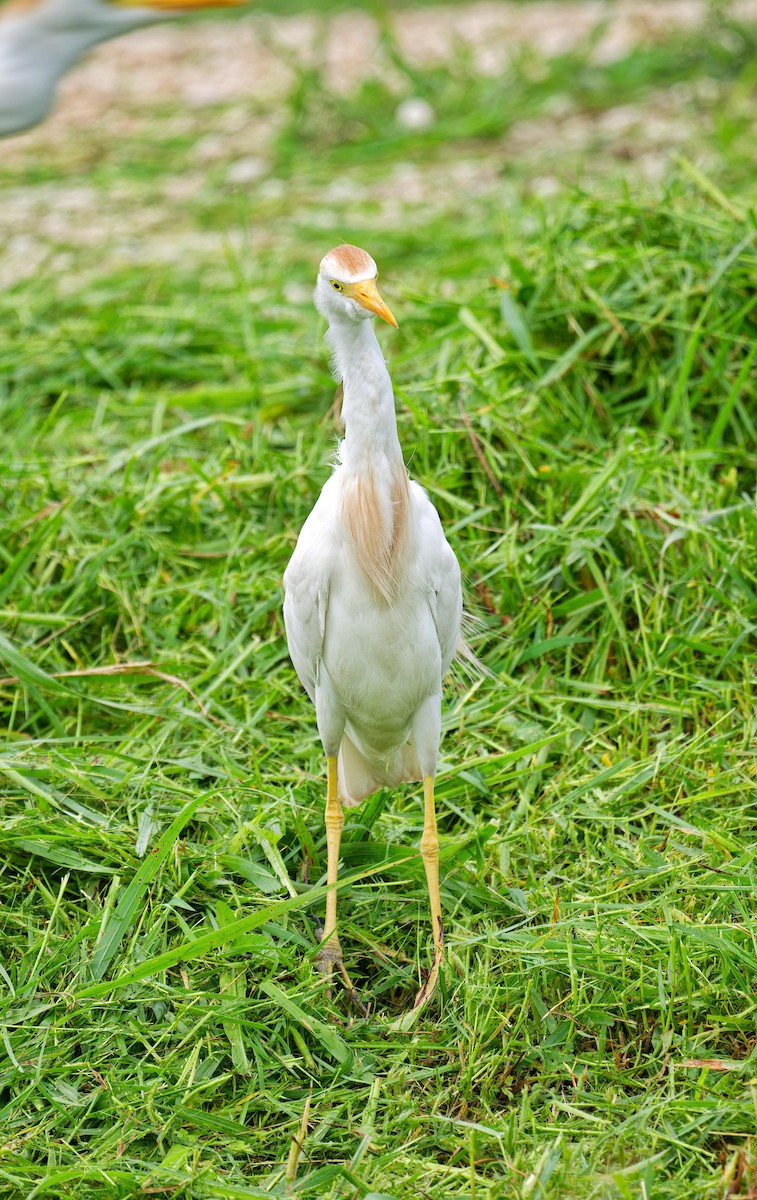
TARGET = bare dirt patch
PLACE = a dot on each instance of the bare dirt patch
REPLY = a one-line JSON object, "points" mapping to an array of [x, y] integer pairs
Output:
{"points": [[222, 85], [249, 59]]}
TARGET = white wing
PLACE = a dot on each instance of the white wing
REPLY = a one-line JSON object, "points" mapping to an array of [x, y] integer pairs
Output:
{"points": [[438, 565], [306, 593]]}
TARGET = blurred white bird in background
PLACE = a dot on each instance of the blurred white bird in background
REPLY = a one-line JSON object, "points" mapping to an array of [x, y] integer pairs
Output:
{"points": [[373, 600], [42, 39]]}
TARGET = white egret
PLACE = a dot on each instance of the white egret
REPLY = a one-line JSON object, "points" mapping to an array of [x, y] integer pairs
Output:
{"points": [[372, 598], [42, 39]]}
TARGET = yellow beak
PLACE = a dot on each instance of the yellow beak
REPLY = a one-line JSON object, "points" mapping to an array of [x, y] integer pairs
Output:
{"points": [[367, 294]]}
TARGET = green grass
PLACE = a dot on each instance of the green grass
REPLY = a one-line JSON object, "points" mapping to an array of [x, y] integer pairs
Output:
{"points": [[588, 434]]}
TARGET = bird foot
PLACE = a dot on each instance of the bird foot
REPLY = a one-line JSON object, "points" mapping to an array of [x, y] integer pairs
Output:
{"points": [[327, 959], [408, 1019]]}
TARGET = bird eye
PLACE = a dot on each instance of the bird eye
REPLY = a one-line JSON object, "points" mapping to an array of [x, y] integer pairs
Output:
{"points": [[336, 286]]}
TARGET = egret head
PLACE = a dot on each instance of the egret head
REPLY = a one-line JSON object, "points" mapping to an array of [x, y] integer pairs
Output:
{"points": [[346, 287]]}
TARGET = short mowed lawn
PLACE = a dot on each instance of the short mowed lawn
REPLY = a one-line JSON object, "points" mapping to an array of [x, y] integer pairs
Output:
{"points": [[575, 376]]}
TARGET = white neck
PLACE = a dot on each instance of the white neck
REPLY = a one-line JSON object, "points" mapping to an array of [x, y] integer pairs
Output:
{"points": [[370, 441], [373, 492]]}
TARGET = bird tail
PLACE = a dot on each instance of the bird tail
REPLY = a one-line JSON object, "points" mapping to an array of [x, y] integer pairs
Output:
{"points": [[466, 664], [358, 777]]}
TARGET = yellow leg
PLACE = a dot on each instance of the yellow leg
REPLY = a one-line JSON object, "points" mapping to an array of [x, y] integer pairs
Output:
{"points": [[430, 856], [330, 953]]}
